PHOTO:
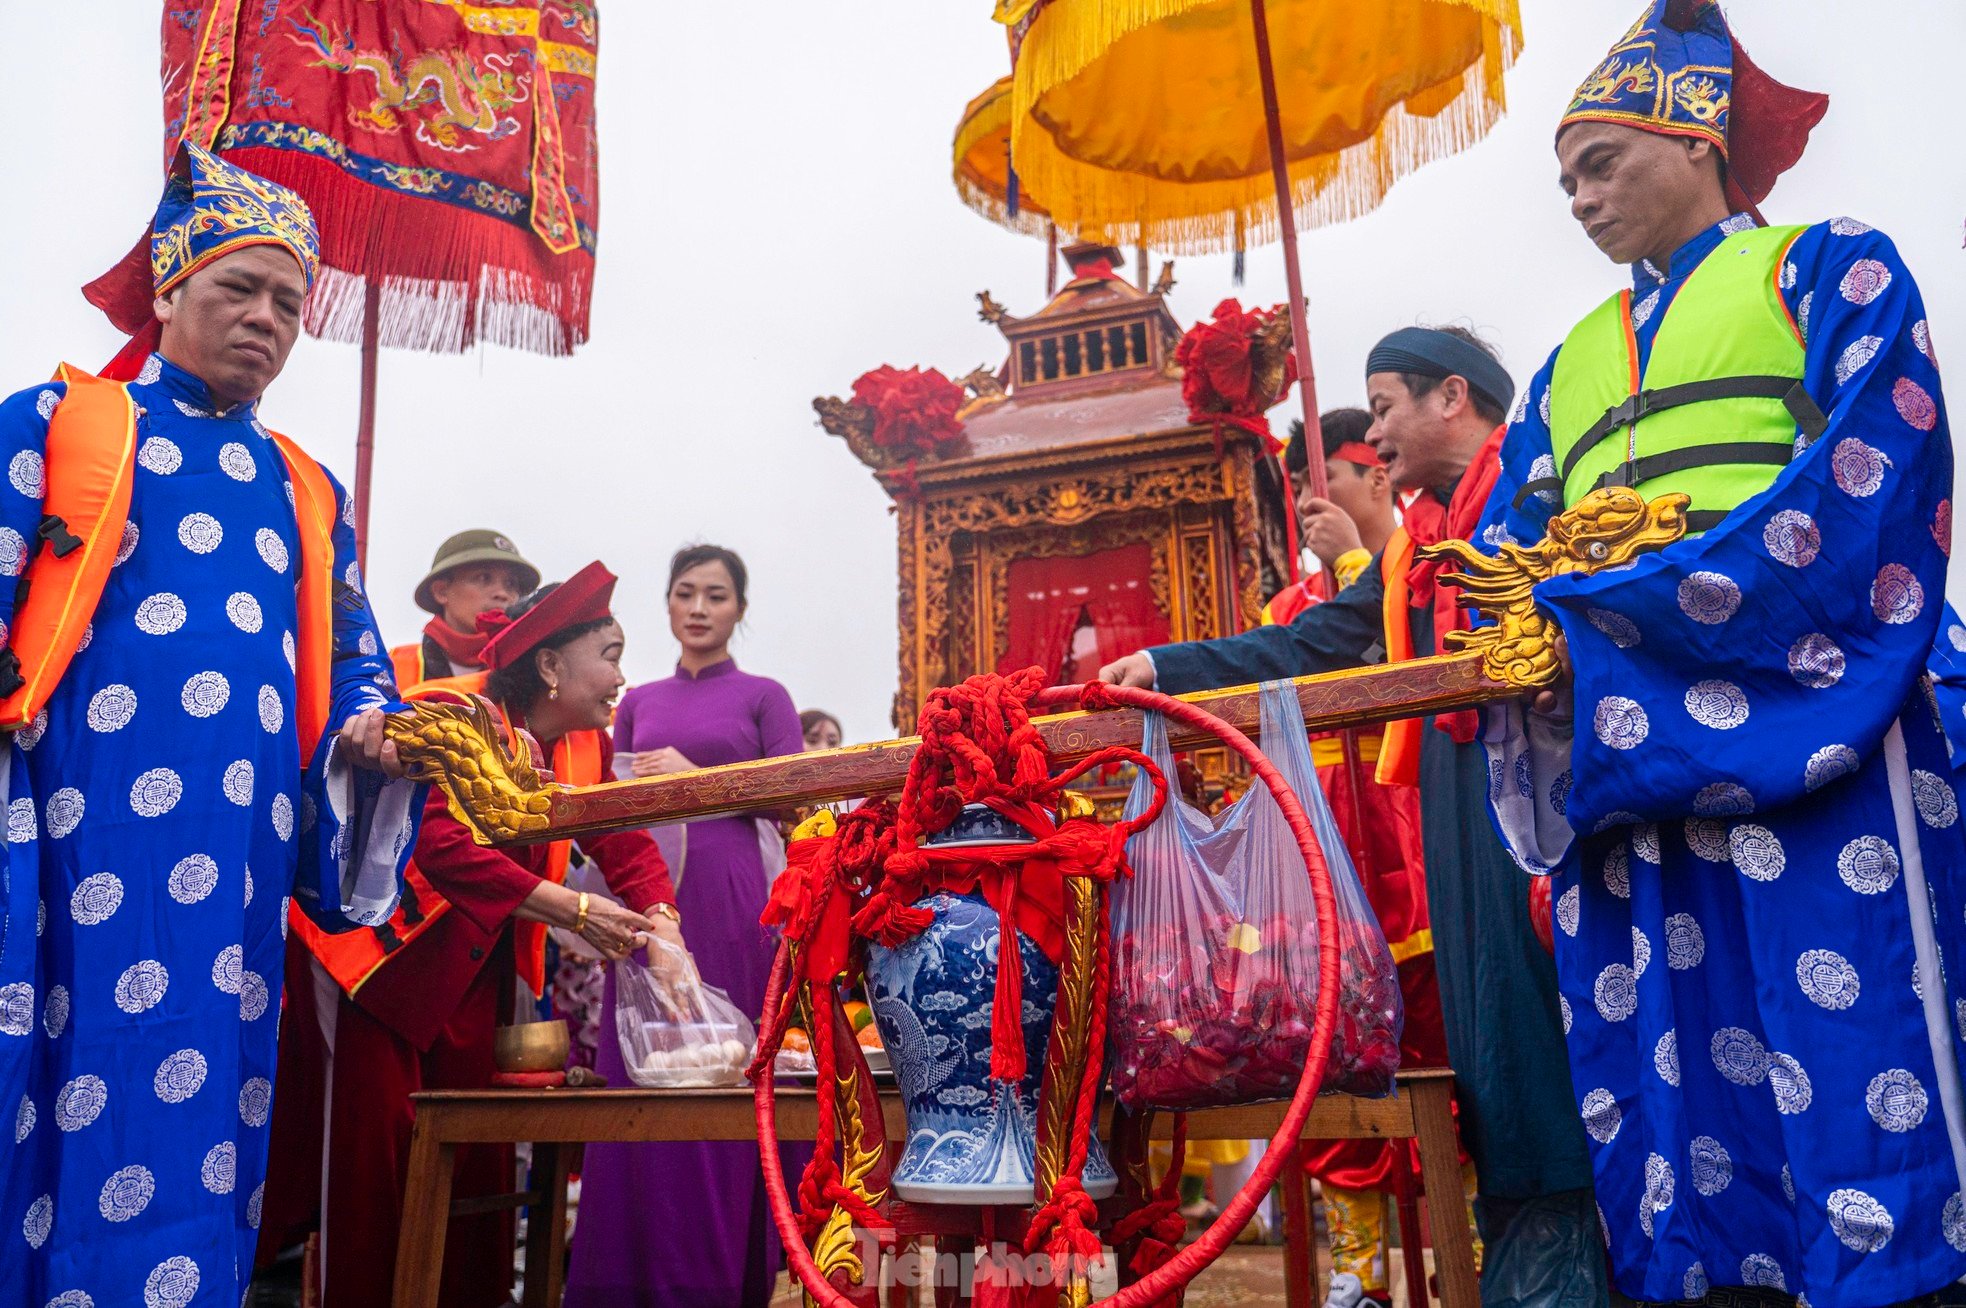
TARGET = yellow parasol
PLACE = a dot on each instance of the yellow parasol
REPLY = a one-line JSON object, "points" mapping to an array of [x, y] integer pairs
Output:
{"points": [[982, 164]]}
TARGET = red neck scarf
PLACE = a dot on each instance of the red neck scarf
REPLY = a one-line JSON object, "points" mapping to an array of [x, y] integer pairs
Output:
{"points": [[459, 647]]}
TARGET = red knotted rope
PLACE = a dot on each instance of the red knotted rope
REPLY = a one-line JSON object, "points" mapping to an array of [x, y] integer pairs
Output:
{"points": [[1156, 1285], [1158, 1222]]}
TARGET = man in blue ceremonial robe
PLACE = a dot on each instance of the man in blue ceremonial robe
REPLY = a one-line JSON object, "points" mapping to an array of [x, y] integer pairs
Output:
{"points": [[211, 748], [1759, 870]]}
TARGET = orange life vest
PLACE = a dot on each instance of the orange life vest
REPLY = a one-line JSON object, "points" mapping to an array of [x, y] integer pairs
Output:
{"points": [[91, 468], [407, 660], [352, 957]]}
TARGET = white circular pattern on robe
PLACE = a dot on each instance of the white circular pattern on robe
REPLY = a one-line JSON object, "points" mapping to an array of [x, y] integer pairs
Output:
{"points": [[64, 812], [283, 817], [237, 461], [156, 792], [220, 1170], [1848, 227], [226, 969], [160, 615], [13, 552], [1707, 839], [1857, 467], [200, 533], [1645, 841], [179, 1076], [1659, 1186], [1937, 806], [27, 474], [253, 1202], [1694, 1285], [160, 456], [253, 997], [1859, 1221], [1757, 852], [24, 1118], [1953, 1221], [243, 609], [1723, 799], [1620, 722], [1816, 662], [47, 402], [1566, 909], [1855, 355], [238, 782], [353, 575], [71, 1299], [1761, 1270], [1602, 1116], [142, 986], [1618, 871], [1896, 1100], [126, 1193], [21, 826], [16, 1009], [1868, 865], [1717, 704], [1713, 1168], [1792, 538], [205, 694], [1828, 979], [271, 548], [95, 898], [1739, 1056], [1866, 280], [1709, 597], [1616, 993], [111, 708], [1618, 628], [54, 1012], [80, 1102], [255, 1097], [366, 643], [1793, 1091], [39, 1221], [1896, 596], [1641, 952], [1686, 944], [1830, 763], [287, 646], [249, 887], [1642, 311], [128, 545], [271, 713], [1563, 1005], [173, 1283], [193, 878]]}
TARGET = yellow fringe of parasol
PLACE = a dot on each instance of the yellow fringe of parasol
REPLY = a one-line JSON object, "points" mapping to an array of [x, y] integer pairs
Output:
{"points": [[1143, 117], [982, 164]]}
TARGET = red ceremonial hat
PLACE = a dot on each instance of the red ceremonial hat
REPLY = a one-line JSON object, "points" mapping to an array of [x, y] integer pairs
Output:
{"points": [[583, 597]]}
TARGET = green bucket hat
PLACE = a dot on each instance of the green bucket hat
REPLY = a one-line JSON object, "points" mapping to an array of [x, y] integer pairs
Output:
{"points": [[477, 546]]}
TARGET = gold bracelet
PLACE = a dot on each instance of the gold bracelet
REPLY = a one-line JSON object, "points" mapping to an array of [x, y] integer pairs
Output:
{"points": [[580, 914], [669, 911]]}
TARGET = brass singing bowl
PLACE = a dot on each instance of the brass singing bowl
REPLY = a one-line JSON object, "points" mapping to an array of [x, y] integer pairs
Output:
{"points": [[531, 1047]]}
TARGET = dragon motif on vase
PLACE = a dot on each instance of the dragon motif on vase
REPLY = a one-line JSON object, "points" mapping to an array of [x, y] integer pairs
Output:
{"points": [[442, 95]]}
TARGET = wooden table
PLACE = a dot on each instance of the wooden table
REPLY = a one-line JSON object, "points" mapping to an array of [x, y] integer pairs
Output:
{"points": [[554, 1121]]}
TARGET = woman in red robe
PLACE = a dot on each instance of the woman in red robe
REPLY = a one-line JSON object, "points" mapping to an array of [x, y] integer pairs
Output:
{"points": [[413, 1005]]}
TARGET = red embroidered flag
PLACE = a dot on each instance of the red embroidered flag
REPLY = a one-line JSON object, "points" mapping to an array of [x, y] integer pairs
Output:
{"points": [[445, 148]]}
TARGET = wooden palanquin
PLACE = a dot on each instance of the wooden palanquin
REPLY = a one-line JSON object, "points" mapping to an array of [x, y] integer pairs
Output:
{"points": [[1085, 515]]}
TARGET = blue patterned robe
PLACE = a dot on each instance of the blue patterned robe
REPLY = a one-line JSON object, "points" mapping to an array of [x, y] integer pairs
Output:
{"points": [[157, 820], [1768, 866]]}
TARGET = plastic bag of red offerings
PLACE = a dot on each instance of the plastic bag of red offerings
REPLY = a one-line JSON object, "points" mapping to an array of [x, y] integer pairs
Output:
{"points": [[1215, 945]]}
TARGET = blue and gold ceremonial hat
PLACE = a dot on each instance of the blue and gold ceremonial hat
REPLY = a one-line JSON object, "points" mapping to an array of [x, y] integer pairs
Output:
{"points": [[1680, 72], [211, 208], [1664, 78]]}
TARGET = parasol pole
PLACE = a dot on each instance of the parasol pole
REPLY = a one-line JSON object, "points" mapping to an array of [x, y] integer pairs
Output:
{"points": [[1300, 341], [365, 423], [1141, 265], [1050, 262]]}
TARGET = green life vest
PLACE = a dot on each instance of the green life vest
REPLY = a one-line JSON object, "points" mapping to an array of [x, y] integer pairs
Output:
{"points": [[1719, 407]]}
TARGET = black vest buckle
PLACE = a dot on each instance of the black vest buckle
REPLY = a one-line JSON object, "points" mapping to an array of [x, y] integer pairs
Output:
{"points": [[60, 539]]}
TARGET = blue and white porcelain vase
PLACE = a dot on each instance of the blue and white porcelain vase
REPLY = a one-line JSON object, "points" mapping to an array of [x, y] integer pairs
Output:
{"points": [[971, 1140]]}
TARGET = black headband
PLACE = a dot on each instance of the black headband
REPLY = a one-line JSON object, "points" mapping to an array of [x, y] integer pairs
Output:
{"points": [[1432, 353]]}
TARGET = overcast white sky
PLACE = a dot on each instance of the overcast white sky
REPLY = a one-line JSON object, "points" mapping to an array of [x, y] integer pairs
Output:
{"points": [[777, 217]]}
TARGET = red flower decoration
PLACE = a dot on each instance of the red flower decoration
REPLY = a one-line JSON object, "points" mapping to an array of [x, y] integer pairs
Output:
{"points": [[1236, 366], [914, 410]]}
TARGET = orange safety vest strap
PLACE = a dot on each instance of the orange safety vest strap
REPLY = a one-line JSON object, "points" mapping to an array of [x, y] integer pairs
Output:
{"points": [[91, 465], [577, 762], [407, 663], [314, 517], [1399, 756]]}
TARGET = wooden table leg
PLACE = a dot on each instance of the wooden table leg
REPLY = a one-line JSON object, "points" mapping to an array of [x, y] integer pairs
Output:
{"points": [[1440, 1171], [426, 1218], [1301, 1288], [546, 1230]]}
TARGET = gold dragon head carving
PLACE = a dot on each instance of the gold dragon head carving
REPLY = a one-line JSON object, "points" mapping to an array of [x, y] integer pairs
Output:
{"points": [[498, 795], [1606, 529]]}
